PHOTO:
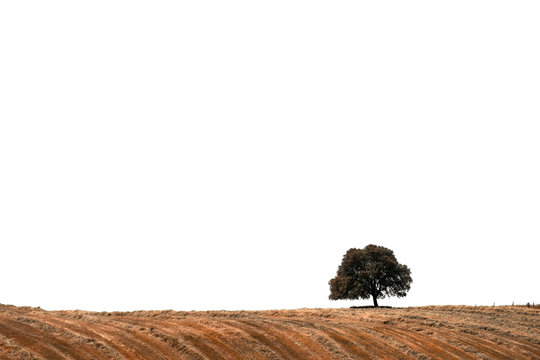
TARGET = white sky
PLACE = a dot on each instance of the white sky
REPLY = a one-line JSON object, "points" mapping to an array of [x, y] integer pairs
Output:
{"points": [[226, 154]]}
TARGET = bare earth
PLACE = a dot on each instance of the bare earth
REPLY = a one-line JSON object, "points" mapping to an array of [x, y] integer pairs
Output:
{"points": [[442, 332]]}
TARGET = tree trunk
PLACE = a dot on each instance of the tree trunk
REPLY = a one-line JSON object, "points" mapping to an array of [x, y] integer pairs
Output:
{"points": [[375, 301]]}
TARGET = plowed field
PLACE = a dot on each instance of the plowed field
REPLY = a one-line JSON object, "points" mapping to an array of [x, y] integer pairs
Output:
{"points": [[443, 332]]}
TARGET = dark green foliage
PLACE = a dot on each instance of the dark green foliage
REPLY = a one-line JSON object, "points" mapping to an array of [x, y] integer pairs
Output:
{"points": [[372, 271]]}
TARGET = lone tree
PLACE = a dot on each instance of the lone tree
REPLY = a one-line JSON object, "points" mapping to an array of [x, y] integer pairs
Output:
{"points": [[372, 271]]}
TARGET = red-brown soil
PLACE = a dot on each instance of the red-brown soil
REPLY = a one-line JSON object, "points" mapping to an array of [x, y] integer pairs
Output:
{"points": [[442, 332]]}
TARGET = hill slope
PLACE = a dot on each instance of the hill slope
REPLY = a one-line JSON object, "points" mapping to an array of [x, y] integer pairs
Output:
{"points": [[445, 332]]}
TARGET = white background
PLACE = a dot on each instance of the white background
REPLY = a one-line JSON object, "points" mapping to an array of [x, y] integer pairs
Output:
{"points": [[225, 154]]}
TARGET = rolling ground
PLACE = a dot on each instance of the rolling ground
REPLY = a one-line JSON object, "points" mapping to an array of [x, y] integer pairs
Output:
{"points": [[441, 332]]}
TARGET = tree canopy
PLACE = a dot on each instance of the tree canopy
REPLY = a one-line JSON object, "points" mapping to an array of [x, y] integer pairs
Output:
{"points": [[372, 271]]}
